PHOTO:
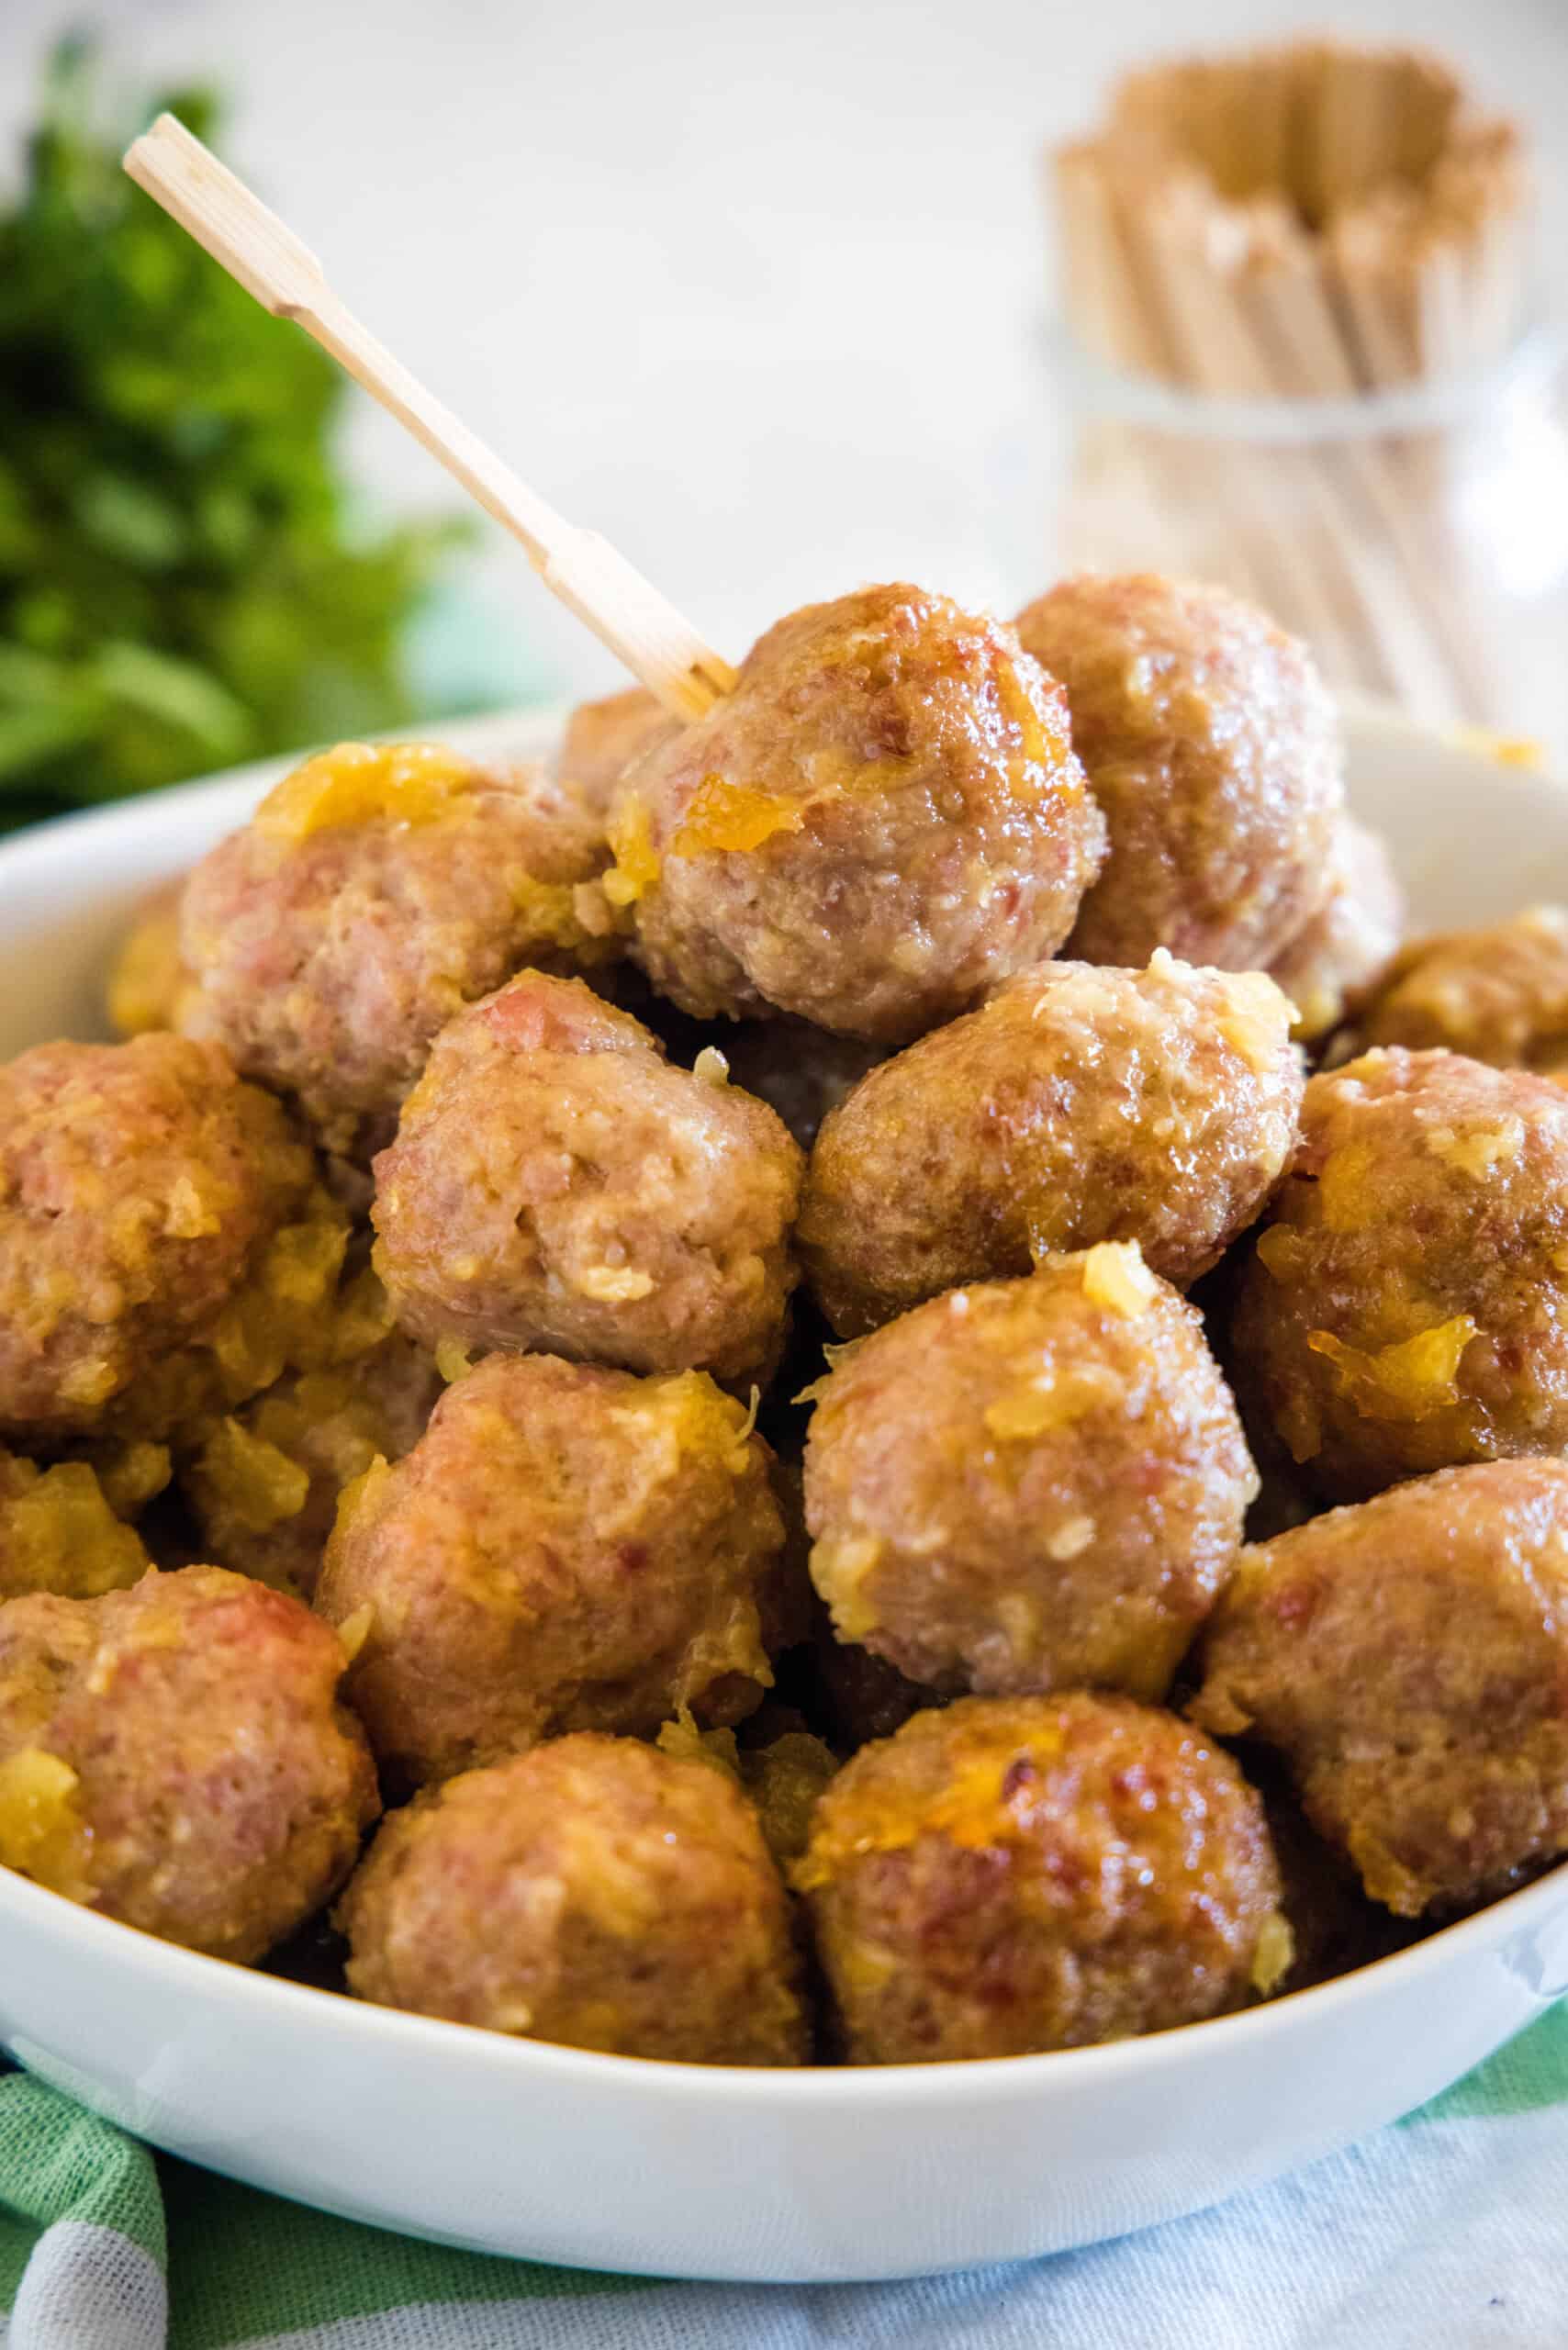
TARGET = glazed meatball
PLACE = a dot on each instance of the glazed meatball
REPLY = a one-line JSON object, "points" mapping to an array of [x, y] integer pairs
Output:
{"points": [[161, 1232], [600, 741], [1080, 1105], [1019, 1873], [799, 1071], [375, 892], [59, 1533], [1408, 1658], [1214, 750], [148, 984], [175, 1755], [1498, 994], [597, 1893], [1331, 966], [556, 1183], [262, 1483], [563, 1549], [1030, 1485], [883, 820], [1407, 1306]]}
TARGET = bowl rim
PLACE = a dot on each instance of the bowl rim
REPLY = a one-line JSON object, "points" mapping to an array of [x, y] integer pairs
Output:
{"points": [[27, 1905], [33, 1910]]}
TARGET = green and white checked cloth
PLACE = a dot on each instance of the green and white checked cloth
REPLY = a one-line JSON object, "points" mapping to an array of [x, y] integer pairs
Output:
{"points": [[1447, 2232]]}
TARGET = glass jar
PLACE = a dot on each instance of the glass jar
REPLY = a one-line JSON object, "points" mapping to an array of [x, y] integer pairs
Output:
{"points": [[1417, 538]]}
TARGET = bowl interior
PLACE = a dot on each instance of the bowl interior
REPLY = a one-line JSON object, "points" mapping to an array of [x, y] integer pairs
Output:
{"points": [[1471, 838]]}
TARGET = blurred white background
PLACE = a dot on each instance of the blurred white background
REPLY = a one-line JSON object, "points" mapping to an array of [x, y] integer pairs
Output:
{"points": [[756, 290]]}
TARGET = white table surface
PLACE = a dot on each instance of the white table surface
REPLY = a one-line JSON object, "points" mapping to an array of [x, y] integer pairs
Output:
{"points": [[757, 290]]}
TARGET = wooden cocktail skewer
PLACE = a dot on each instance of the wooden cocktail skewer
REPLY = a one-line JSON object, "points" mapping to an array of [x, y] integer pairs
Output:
{"points": [[580, 568]]}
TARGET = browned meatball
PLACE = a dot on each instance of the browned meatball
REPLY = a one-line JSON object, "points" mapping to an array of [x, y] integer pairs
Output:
{"points": [[599, 742], [1498, 994], [149, 986], [1030, 1485], [1018, 1874], [1080, 1105], [375, 893], [563, 1549], [59, 1533], [1213, 749], [883, 820], [1407, 1306], [597, 1893], [1408, 1657], [160, 1230], [556, 1183], [1347, 946], [175, 1756], [799, 1071], [263, 1484]]}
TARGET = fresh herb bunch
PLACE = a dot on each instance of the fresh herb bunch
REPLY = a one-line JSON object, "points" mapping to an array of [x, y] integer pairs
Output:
{"points": [[180, 582]]}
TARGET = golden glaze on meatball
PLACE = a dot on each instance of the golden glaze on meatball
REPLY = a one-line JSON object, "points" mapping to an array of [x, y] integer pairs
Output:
{"points": [[162, 1236], [1214, 750], [556, 1183], [176, 1756], [1030, 1485], [59, 1533], [1019, 1873], [883, 820], [1498, 994], [563, 1549], [1408, 1658], [375, 893], [595, 1891], [1079, 1104], [262, 1483], [1343, 952], [1407, 1306]]}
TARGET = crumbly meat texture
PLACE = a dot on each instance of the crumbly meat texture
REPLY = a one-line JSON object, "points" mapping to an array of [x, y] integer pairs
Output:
{"points": [[556, 1183], [1408, 1658], [596, 1892], [262, 1483], [1498, 994], [883, 820], [1213, 747], [599, 742], [1079, 1104], [375, 893], [1021, 1874], [564, 1549], [58, 1532], [1030, 1485], [161, 1232], [148, 984], [176, 1756], [1338, 959], [1405, 1308]]}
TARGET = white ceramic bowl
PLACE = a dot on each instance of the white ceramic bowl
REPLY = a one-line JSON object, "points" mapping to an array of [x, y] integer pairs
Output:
{"points": [[512, 2146]]}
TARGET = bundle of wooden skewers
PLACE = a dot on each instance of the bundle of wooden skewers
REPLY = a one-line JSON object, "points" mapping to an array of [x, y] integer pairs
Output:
{"points": [[1318, 232]]}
